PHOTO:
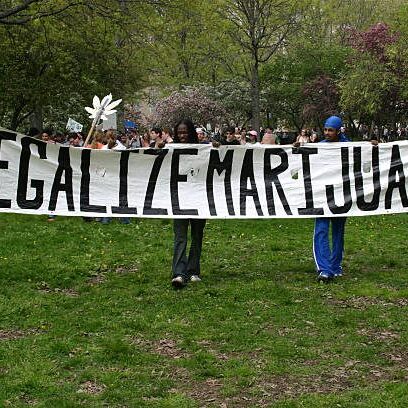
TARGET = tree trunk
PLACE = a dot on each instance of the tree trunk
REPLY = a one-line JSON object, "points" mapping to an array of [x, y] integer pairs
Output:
{"points": [[354, 131], [14, 122], [37, 118], [255, 103], [15, 117]]}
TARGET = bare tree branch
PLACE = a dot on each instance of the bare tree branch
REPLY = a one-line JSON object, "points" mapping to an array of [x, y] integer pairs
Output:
{"points": [[24, 12], [17, 9]]}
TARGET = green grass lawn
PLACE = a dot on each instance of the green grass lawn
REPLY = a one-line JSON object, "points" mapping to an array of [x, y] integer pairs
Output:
{"points": [[88, 317]]}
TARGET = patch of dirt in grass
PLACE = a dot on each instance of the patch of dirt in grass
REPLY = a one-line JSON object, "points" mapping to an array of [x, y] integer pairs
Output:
{"points": [[400, 302], [180, 374], [209, 347], [100, 277], [15, 334], [399, 359], [125, 270], [168, 348], [363, 302], [70, 292], [91, 388], [277, 387], [311, 363], [254, 356], [284, 331], [207, 392], [25, 399], [96, 279], [140, 342], [339, 380], [264, 391], [43, 287], [379, 335], [163, 347]]}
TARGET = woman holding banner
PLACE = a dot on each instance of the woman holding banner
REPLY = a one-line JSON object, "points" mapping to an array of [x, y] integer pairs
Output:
{"points": [[186, 269]]}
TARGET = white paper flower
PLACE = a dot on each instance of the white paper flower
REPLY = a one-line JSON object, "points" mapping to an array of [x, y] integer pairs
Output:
{"points": [[102, 109]]}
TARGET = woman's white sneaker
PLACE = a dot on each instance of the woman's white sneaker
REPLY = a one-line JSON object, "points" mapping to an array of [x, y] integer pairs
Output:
{"points": [[178, 282]]}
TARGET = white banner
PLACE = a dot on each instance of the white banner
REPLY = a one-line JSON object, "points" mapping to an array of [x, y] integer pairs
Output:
{"points": [[198, 181]]}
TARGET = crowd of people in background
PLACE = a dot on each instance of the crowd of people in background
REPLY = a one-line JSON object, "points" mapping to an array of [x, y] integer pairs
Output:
{"points": [[158, 137]]}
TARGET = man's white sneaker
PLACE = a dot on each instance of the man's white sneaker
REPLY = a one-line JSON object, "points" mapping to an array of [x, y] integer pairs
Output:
{"points": [[195, 278]]}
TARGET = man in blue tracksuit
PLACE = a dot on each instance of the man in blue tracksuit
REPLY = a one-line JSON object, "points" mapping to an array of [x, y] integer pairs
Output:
{"points": [[328, 262]]}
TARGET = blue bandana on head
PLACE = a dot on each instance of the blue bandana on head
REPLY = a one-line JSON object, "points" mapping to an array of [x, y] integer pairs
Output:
{"points": [[333, 122]]}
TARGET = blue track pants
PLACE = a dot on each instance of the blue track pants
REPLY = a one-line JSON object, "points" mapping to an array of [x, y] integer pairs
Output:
{"points": [[329, 259]]}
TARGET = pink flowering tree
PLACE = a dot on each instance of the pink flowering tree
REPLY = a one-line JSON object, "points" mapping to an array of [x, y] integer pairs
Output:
{"points": [[372, 90], [193, 103], [373, 42]]}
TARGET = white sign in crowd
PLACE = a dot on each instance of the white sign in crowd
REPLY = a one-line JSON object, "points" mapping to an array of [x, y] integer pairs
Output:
{"points": [[73, 126], [199, 181]]}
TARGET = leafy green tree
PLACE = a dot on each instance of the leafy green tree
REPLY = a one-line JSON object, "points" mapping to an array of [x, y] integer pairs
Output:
{"points": [[294, 81], [52, 67], [235, 96], [260, 28], [187, 45]]}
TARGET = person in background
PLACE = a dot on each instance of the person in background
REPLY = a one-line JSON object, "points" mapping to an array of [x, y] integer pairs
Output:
{"points": [[98, 141], [74, 140], [186, 269], [261, 132], [303, 137], [314, 137], [146, 139], [123, 138], [59, 138], [343, 132], [253, 136], [386, 134], [229, 137], [46, 136], [135, 141], [202, 136], [167, 135], [112, 142], [156, 137], [244, 139], [237, 134], [270, 137]]}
